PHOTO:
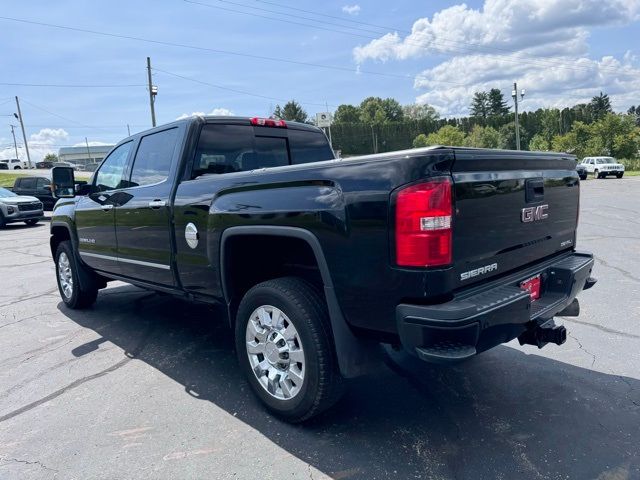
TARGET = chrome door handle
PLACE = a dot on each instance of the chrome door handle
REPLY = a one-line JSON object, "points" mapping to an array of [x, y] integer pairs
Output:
{"points": [[157, 203], [106, 208]]}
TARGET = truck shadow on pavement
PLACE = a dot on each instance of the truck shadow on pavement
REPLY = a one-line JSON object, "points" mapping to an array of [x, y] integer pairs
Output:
{"points": [[505, 414]]}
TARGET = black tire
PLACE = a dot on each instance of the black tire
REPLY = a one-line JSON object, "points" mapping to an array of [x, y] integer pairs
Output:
{"points": [[596, 174], [32, 221], [305, 307], [79, 298], [619, 175]]}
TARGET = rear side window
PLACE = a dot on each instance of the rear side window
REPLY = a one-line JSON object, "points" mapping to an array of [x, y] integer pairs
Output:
{"points": [[43, 182], [153, 158], [236, 148], [307, 147]]}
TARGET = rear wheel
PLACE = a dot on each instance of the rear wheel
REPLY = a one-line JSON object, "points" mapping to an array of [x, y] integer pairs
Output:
{"points": [[69, 286], [285, 348], [31, 221]]}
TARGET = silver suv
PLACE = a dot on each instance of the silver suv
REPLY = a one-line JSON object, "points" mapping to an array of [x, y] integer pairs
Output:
{"points": [[18, 208]]}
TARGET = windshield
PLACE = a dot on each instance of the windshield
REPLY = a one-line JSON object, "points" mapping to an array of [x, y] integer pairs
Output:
{"points": [[6, 193]]}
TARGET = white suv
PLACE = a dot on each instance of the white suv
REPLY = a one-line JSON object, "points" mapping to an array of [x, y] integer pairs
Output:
{"points": [[15, 164], [603, 166]]}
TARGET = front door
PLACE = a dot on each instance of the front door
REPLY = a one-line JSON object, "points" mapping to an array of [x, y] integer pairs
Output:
{"points": [[95, 213], [143, 214]]}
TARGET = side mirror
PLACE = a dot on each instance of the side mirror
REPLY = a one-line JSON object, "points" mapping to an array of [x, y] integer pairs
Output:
{"points": [[63, 182]]}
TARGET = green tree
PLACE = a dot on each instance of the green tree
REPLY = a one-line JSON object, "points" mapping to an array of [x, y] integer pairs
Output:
{"points": [[347, 114], [420, 141], [393, 110], [447, 135], [291, 111], [497, 104], [635, 113], [50, 157], [616, 134], [480, 105], [372, 111], [483, 137], [417, 111], [600, 105], [539, 143], [375, 110], [508, 136]]}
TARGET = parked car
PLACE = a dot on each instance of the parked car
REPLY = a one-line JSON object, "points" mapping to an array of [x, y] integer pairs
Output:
{"points": [[14, 164], [44, 164], [18, 208], [600, 167], [582, 171], [39, 187], [66, 164], [4, 166], [442, 251]]}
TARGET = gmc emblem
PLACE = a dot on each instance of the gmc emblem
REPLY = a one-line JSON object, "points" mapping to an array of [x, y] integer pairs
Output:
{"points": [[533, 214]]}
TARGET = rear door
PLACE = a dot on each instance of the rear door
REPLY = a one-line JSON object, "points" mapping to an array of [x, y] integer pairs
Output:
{"points": [[95, 213], [143, 214], [511, 209]]}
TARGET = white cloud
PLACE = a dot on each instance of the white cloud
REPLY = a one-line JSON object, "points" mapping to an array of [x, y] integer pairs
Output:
{"points": [[92, 144], [543, 44], [47, 140], [48, 136], [351, 9], [223, 112]]}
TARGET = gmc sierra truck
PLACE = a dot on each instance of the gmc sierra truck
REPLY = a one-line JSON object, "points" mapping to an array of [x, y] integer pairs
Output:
{"points": [[444, 252]]}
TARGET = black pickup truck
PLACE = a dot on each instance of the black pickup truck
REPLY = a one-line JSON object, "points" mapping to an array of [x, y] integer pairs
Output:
{"points": [[445, 252]]}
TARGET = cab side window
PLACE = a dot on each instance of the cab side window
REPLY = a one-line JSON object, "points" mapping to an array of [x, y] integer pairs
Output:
{"points": [[109, 177]]}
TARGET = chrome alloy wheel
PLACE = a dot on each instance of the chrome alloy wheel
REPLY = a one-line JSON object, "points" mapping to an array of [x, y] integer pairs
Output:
{"points": [[275, 352], [64, 275]]}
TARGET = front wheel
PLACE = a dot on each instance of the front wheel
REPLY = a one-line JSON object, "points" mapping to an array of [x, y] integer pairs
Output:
{"points": [[619, 175], [285, 348], [71, 292], [596, 174]]}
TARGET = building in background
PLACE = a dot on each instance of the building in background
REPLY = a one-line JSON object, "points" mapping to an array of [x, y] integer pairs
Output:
{"points": [[87, 157]]}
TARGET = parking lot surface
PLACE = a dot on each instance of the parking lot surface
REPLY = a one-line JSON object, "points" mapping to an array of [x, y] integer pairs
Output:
{"points": [[146, 386]]}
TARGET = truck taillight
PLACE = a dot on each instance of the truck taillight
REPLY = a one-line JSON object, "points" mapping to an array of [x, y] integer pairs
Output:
{"points": [[268, 122], [423, 224]]}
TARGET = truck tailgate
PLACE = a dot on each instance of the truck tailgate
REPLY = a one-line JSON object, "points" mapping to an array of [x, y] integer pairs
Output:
{"points": [[511, 209]]}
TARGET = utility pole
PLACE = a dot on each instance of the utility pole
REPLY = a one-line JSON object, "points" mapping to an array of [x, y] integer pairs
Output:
{"points": [[24, 135], [153, 91], [128, 131], [88, 151], [514, 95], [15, 145]]}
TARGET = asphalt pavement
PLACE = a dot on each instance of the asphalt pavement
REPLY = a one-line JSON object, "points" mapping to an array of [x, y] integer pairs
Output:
{"points": [[147, 386]]}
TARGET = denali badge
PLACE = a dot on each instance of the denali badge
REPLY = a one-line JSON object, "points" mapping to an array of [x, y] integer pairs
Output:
{"points": [[533, 214], [478, 271]]}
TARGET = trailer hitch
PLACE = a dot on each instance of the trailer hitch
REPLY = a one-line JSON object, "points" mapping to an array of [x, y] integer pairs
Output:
{"points": [[540, 335]]}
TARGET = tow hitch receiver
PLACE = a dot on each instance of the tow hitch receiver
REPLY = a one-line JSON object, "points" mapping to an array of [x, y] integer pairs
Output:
{"points": [[540, 335]]}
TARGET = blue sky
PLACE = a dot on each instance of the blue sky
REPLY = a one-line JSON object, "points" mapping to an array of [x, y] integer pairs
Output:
{"points": [[561, 51]]}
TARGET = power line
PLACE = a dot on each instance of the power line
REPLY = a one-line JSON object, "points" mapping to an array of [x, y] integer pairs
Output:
{"points": [[207, 49], [55, 114], [60, 85], [235, 90], [486, 48]]}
